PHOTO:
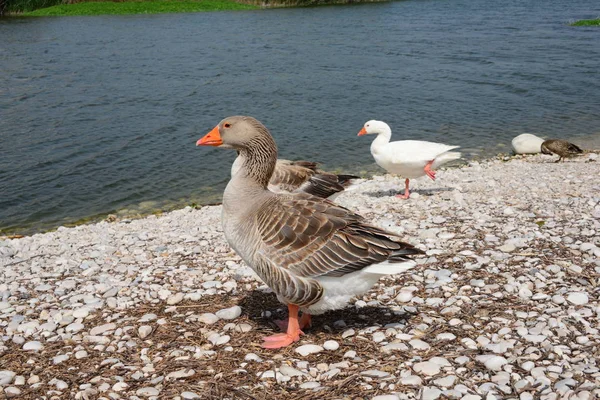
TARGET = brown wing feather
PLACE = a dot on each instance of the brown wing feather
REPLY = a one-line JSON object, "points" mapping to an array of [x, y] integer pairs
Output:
{"points": [[290, 175], [331, 241]]}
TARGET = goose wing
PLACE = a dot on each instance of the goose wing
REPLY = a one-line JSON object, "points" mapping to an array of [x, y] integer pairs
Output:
{"points": [[291, 174], [311, 237]]}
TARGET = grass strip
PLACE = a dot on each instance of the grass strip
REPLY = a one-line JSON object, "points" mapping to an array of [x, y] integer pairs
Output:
{"points": [[139, 7], [587, 22]]}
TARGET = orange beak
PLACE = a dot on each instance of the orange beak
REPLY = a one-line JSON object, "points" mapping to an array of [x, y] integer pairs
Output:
{"points": [[363, 131], [212, 138]]}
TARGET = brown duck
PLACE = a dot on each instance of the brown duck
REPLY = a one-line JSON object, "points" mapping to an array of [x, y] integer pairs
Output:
{"points": [[314, 254], [304, 176], [562, 148]]}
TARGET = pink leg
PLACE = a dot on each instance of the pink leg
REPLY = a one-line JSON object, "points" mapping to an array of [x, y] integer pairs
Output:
{"points": [[284, 339], [406, 191], [430, 173]]}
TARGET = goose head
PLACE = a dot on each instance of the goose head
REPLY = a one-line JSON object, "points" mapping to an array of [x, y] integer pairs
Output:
{"points": [[374, 127], [239, 133], [257, 151], [545, 150]]}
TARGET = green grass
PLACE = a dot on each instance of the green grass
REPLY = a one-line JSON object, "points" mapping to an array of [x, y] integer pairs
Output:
{"points": [[141, 7], [587, 22]]}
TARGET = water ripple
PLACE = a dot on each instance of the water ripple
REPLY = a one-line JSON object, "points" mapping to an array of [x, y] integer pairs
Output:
{"points": [[102, 113]]}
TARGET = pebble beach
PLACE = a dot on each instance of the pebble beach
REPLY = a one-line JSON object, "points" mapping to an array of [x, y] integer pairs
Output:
{"points": [[505, 304]]}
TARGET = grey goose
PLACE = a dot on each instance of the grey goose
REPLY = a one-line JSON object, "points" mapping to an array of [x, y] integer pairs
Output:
{"points": [[315, 255]]}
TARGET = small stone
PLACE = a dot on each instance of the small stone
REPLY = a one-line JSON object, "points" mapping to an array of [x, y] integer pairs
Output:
{"points": [[289, 371], [208, 318], [60, 358], [144, 331], [33, 346], [222, 340], [427, 367], [445, 336], [148, 317], [418, 344], [309, 349], [494, 363], [375, 373], [12, 391], [119, 386], [99, 330], [229, 313], [182, 373], [81, 312], [578, 298], [6, 377], [175, 299], [431, 393], [331, 345], [190, 396], [378, 337], [81, 354], [310, 385], [386, 397], [60, 384], [446, 381], [350, 354], [74, 327], [507, 248], [348, 333], [252, 357], [528, 365], [394, 347], [411, 380], [147, 392], [404, 296]]}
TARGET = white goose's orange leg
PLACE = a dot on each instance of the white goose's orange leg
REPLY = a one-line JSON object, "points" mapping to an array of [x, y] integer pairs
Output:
{"points": [[406, 192], [292, 335], [430, 173]]}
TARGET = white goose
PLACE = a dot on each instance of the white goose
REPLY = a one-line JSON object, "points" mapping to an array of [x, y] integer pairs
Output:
{"points": [[315, 255], [407, 158]]}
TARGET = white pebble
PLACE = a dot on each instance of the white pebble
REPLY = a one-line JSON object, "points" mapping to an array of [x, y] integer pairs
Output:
{"points": [[578, 298], [33, 346], [190, 396], [308, 349], [494, 363], [12, 391], [427, 367], [331, 345], [229, 313], [144, 331], [147, 392], [175, 299], [411, 380], [6, 377], [208, 318]]}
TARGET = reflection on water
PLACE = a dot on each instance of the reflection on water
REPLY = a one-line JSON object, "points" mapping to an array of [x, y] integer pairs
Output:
{"points": [[102, 113]]}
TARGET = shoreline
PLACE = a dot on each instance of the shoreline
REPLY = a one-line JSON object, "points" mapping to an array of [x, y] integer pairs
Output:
{"points": [[506, 300], [137, 211]]}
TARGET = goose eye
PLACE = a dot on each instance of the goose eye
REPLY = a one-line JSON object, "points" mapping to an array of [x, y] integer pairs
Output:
{"points": [[227, 125]]}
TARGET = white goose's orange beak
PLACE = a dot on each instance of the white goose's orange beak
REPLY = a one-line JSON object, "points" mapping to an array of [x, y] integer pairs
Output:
{"points": [[363, 131], [212, 138]]}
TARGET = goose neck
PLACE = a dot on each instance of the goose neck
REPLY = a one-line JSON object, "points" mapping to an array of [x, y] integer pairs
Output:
{"points": [[256, 162], [382, 138]]}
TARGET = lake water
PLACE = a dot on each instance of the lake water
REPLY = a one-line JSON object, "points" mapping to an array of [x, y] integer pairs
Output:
{"points": [[99, 114]]}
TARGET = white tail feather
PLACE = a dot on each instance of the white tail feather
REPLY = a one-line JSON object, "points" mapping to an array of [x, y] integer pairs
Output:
{"points": [[388, 268]]}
